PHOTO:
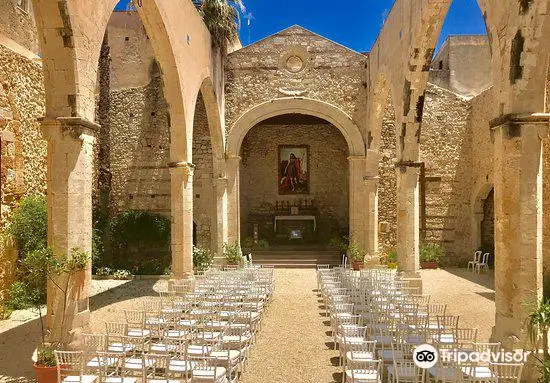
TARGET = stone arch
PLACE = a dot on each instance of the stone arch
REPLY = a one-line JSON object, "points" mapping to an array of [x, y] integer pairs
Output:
{"points": [[215, 125], [478, 198], [308, 106]]}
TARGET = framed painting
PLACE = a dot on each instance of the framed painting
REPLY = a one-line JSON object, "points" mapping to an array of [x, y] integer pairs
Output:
{"points": [[293, 169]]}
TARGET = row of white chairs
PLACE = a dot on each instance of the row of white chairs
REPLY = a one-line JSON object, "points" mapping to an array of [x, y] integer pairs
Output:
{"points": [[199, 332], [378, 319]]}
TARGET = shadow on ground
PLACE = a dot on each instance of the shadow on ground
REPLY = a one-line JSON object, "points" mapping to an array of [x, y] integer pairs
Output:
{"points": [[486, 280], [17, 344]]}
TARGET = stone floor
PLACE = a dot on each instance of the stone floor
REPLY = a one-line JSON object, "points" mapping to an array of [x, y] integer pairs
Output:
{"points": [[292, 345]]}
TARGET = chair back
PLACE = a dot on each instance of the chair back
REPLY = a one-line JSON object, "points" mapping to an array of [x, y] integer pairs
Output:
{"points": [[485, 259], [477, 256], [69, 363], [116, 328], [508, 371]]}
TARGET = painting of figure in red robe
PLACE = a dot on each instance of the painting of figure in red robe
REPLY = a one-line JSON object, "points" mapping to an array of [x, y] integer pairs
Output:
{"points": [[294, 169]]}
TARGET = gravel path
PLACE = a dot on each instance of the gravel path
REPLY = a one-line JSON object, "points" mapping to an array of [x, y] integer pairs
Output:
{"points": [[292, 344]]}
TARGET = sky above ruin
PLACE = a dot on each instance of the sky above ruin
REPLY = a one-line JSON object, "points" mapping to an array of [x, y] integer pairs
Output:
{"points": [[355, 24]]}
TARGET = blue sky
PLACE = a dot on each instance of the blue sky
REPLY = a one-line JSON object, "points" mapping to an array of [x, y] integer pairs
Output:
{"points": [[355, 26]]}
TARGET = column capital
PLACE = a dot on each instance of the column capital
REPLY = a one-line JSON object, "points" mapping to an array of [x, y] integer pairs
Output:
{"points": [[356, 158], [187, 168], [76, 127], [371, 180], [233, 158], [220, 182], [511, 124]]}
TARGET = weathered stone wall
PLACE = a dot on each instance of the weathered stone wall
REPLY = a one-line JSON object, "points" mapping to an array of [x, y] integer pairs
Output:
{"points": [[139, 148], [203, 187], [463, 65], [18, 24], [296, 62], [443, 140], [387, 186], [23, 169], [328, 167]]}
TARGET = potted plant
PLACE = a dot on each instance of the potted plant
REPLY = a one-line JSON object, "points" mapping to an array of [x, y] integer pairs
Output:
{"points": [[42, 266], [430, 253], [538, 325], [233, 254], [355, 254], [390, 259], [202, 258]]}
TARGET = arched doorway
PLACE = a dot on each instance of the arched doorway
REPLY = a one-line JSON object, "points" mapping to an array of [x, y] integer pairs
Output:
{"points": [[352, 138], [294, 182]]}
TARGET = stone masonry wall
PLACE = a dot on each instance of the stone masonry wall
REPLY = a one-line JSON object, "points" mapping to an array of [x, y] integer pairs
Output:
{"points": [[387, 186], [139, 150], [203, 188], [295, 62], [18, 24], [443, 140], [22, 98], [328, 166]]}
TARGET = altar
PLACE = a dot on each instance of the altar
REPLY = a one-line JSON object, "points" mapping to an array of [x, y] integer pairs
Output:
{"points": [[295, 218]]}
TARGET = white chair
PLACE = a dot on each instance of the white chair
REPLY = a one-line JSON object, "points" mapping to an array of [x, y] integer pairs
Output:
{"points": [[484, 264], [70, 367], [364, 372], [402, 371], [475, 261], [510, 372]]}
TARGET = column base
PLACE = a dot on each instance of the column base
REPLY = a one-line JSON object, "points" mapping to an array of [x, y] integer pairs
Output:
{"points": [[508, 331]]}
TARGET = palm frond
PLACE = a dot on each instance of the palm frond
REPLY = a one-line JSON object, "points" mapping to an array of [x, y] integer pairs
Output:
{"points": [[222, 18]]}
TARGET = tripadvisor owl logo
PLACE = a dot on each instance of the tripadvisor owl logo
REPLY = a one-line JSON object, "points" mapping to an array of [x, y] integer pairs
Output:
{"points": [[425, 356]]}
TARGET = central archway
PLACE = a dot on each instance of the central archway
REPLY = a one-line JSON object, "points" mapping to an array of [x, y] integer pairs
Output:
{"points": [[313, 108], [294, 105]]}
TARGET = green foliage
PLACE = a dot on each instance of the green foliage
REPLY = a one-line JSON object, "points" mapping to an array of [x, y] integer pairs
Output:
{"points": [[222, 20], [233, 253], [139, 242], [22, 297], [354, 252], [538, 322], [339, 242], [135, 227], [544, 369], [248, 243], [5, 312], [30, 290], [29, 224], [202, 258], [430, 252], [46, 357]]}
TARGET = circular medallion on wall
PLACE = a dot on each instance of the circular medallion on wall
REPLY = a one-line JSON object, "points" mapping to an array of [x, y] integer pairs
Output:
{"points": [[295, 60]]}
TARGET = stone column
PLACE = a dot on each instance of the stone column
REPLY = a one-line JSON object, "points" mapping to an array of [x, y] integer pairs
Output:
{"points": [[371, 190], [358, 213], [408, 217], [181, 180], [221, 227], [371, 180], [233, 199], [69, 194], [518, 222]]}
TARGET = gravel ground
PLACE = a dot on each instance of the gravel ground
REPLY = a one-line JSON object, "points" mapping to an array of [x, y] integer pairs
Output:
{"points": [[292, 346]]}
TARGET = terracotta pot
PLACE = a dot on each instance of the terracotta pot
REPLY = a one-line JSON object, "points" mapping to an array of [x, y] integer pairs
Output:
{"points": [[45, 374], [357, 265], [428, 265]]}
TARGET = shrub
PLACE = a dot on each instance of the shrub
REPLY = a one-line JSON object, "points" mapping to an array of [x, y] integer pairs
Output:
{"points": [[138, 227], [103, 271], [29, 224], [122, 274], [354, 252], [430, 252], [248, 243], [22, 296], [233, 253], [202, 258]]}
